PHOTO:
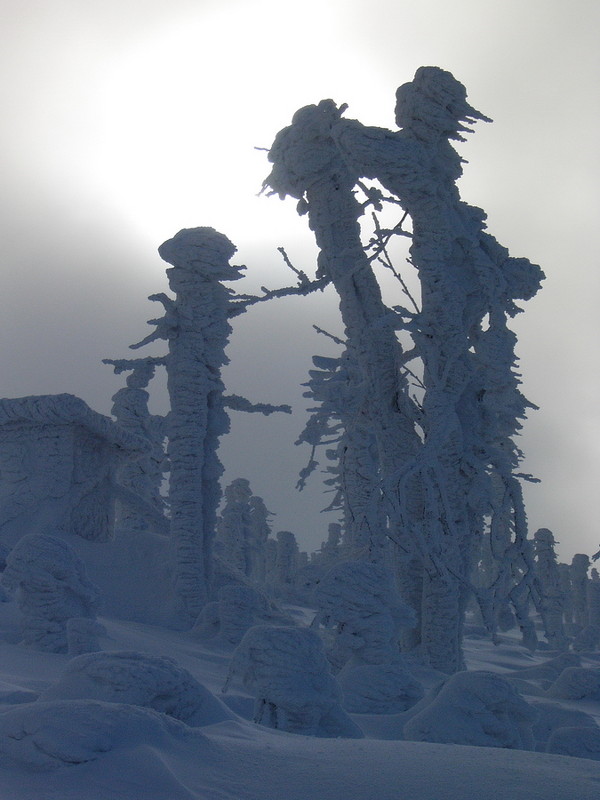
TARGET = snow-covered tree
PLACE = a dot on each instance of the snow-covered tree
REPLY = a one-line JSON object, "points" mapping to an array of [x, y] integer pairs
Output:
{"points": [[436, 457], [552, 600]]}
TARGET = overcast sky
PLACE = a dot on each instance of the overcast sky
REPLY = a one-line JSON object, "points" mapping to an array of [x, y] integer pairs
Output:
{"points": [[126, 120]]}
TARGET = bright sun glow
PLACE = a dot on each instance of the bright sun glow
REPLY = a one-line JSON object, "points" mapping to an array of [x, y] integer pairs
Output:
{"points": [[183, 110]]}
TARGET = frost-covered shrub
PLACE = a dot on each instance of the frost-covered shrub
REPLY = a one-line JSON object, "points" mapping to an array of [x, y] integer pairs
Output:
{"points": [[551, 717], [140, 680], [475, 708], [576, 683], [48, 735], [579, 742], [286, 671], [379, 689], [358, 600], [51, 587], [238, 608]]}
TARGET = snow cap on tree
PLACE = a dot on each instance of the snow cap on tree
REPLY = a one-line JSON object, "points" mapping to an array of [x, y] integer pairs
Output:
{"points": [[202, 250], [435, 103]]}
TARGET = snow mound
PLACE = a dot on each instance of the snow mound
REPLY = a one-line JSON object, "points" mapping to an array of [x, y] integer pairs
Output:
{"points": [[45, 736], [578, 742], [552, 716], [475, 708], [138, 679], [51, 587], [576, 683], [287, 672], [379, 689]]}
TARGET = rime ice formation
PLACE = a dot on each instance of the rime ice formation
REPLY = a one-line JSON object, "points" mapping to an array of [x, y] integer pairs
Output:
{"points": [[436, 460], [579, 580], [475, 708], [358, 601], [286, 671], [144, 476], [51, 588], [58, 466], [138, 679]]}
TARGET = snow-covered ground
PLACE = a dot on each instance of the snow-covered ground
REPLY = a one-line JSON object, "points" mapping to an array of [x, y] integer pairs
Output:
{"points": [[62, 747]]}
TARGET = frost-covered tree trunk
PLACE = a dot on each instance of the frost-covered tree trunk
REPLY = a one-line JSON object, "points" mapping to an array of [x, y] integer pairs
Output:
{"points": [[234, 526]]}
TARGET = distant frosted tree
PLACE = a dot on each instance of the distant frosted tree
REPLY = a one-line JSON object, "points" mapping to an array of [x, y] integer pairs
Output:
{"points": [[144, 476], [579, 580], [552, 600], [234, 527]]}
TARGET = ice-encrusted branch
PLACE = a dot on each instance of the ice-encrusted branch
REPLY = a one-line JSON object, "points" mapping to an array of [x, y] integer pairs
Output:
{"points": [[237, 403]]}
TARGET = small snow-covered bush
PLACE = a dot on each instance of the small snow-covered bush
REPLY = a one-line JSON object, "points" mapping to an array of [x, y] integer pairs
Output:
{"points": [[49, 735], [286, 671], [141, 680], [576, 742], [475, 708], [576, 683], [358, 600], [379, 689], [51, 586]]}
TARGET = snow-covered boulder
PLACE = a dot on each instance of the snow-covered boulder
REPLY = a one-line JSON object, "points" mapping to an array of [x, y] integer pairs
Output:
{"points": [[286, 671], [49, 735], [576, 683], [51, 587], [379, 689], [576, 742], [474, 708], [139, 679]]}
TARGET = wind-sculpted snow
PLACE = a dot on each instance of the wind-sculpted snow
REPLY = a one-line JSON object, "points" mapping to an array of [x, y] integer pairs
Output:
{"points": [[576, 683], [379, 689], [579, 742], [138, 679], [552, 717], [286, 671], [358, 601], [476, 708], [50, 735], [51, 588]]}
